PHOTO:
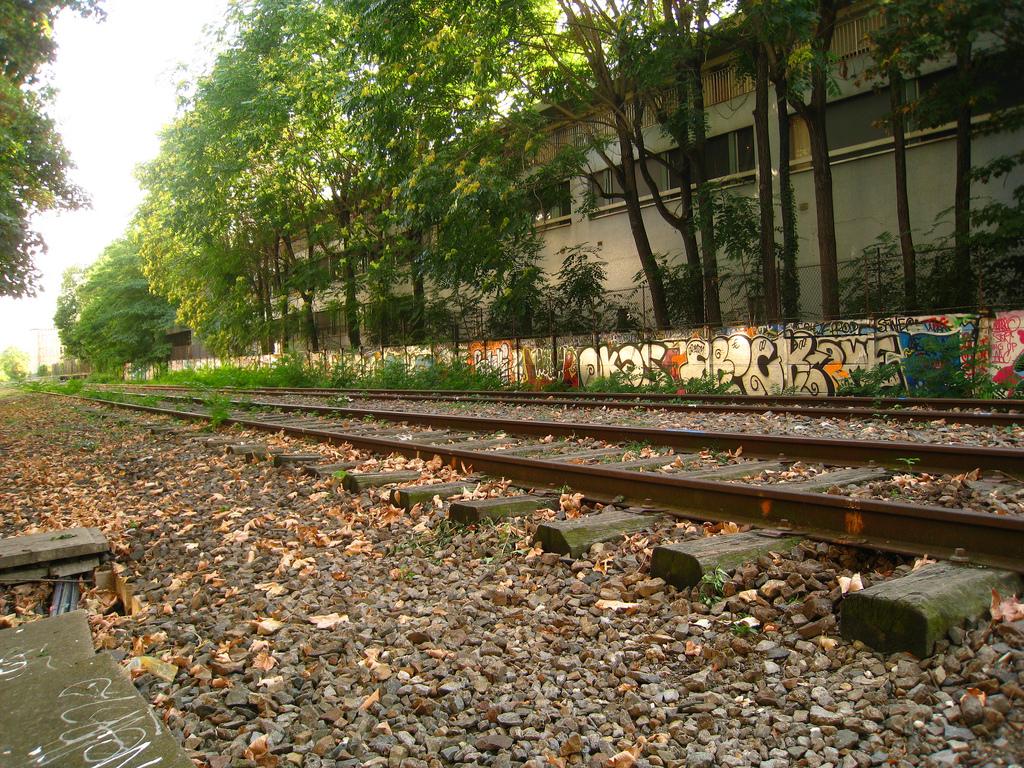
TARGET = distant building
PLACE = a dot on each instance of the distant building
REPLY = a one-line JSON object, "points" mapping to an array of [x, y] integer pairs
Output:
{"points": [[44, 348]]}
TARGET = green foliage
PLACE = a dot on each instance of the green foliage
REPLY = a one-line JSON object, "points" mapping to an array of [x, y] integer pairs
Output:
{"points": [[218, 408], [942, 369], [580, 291], [295, 371], [659, 381], [33, 161], [884, 380], [736, 225], [108, 316], [711, 586], [13, 365]]}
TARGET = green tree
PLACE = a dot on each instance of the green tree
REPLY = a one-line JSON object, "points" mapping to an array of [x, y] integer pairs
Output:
{"points": [[13, 364], [33, 161], [65, 318], [118, 319]]}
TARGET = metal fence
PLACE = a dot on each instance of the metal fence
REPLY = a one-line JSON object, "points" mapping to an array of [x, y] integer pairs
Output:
{"points": [[870, 285]]}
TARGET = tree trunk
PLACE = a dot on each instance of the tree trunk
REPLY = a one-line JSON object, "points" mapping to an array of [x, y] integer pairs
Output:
{"points": [[825, 214], [814, 115], [281, 293], [708, 247], [351, 303], [311, 331], [962, 268], [627, 178], [682, 223], [766, 199], [899, 143], [790, 288], [690, 247], [419, 308]]}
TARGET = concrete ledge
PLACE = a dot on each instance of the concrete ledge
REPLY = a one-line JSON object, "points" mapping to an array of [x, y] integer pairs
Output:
{"points": [[85, 715], [43, 645], [912, 612], [50, 546], [684, 564], [471, 511], [575, 537]]}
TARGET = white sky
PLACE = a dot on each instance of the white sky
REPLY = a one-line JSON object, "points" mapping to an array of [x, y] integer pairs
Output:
{"points": [[117, 82]]}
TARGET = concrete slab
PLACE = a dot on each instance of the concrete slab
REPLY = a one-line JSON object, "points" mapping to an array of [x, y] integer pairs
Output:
{"points": [[355, 483], [652, 462], [575, 537], [471, 511], [734, 471], [410, 496], [840, 477], [84, 715], [43, 645], [253, 451], [295, 459], [912, 612], [328, 470], [35, 548], [74, 567], [684, 564]]}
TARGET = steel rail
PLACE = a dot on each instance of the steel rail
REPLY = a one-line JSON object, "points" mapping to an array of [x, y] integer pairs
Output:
{"points": [[887, 453], [982, 538], [823, 411], [810, 401]]}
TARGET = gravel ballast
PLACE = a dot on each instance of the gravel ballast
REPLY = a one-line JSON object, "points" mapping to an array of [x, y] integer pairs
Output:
{"points": [[313, 627]]}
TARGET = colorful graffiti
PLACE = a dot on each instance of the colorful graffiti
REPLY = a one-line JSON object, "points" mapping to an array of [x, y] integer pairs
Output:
{"points": [[813, 359], [1006, 350], [809, 358]]}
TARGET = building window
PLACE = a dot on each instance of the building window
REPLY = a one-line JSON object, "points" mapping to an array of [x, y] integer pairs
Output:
{"points": [[605, 186], [664, 172], [554, 203], [858, 119], [730, 153]]}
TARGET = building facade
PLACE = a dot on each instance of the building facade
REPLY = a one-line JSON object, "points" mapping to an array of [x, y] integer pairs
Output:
{"points": [[863, 177]]}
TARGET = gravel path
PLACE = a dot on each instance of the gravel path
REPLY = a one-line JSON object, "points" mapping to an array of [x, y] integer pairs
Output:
{"points": [[314, 628]]}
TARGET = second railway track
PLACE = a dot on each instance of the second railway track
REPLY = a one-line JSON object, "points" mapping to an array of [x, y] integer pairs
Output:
{"points": [[903, 410], [737, 478]]}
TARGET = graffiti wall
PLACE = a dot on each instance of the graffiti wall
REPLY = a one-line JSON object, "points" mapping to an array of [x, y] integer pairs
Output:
{"points": [[1006, 350], [806, 358]]}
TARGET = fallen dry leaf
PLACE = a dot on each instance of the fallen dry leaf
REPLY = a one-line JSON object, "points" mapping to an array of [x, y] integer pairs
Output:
{"points": [[615, 605], [264, 661], [851, 583], [1006, 609], [328, 621], [977, 693], [370, 700], [627, 757], [267, 626]]}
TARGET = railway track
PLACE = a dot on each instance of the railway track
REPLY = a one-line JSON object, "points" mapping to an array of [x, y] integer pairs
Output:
{"points": [[957, 411], [781, 483]]}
